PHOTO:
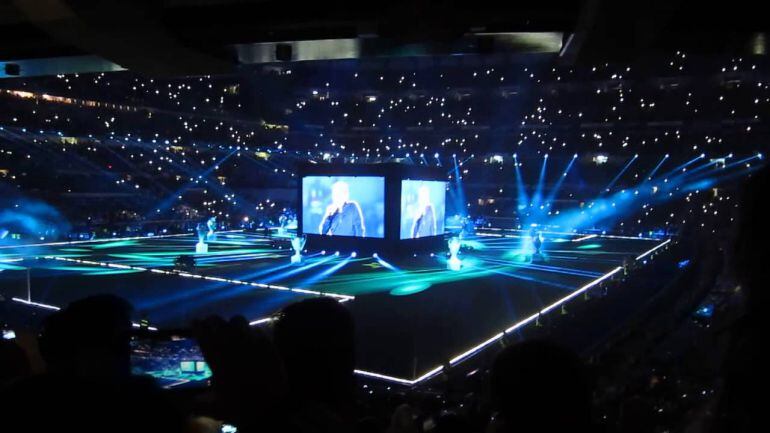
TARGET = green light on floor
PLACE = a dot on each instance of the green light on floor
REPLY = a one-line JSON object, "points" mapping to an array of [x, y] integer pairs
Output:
{"points": [[115, 244], [589, 246], [472, 244], [410, 289], [518, 256]]}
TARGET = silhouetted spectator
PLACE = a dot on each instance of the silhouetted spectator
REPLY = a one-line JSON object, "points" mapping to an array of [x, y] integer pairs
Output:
{"points": [[745, 368], [538, 386], [90, 338], [14, 364], [248, 378], [315, 339], [88, 386]]}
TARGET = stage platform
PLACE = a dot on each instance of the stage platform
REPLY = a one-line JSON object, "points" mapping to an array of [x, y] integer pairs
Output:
{"points": [[412, 315]]}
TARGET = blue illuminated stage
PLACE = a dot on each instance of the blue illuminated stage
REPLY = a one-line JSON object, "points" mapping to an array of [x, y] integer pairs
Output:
{"points": [[412, 314]]}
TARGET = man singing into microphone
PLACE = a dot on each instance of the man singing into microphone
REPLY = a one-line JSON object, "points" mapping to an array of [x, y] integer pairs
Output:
{"points": [[424, 223], [343, 217]]}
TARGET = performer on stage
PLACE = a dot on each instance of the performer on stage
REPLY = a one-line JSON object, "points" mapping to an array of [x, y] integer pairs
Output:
{"points": [[343, 216], [424, 223], [538, 243]]}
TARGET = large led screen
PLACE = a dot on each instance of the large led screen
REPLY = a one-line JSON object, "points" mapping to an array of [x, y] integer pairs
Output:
{"points": [[422, 208], [343, 206]]}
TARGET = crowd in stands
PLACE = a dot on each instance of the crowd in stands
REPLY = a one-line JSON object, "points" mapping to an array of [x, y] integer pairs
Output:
{"points": [[166, 153]]}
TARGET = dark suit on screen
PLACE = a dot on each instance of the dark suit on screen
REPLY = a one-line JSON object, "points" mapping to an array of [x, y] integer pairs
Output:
{"points": [[425, 224], [347, 221]]}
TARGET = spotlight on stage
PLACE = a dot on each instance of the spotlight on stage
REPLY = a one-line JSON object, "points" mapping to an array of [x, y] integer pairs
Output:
{"points": [[454, 263], [297, 243]]}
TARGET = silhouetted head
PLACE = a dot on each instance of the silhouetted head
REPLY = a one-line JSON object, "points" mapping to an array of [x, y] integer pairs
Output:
{"points": [[315, 339], [539, 386], [752, 238], [14, 364], [90, 338]]}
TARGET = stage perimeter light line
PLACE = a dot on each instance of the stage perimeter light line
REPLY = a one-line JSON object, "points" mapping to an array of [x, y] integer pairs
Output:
{"points": [[133, 238], [575, 233], [261, 321], [204, 277], [384, 377], [584, 238], [472, 351], [645, 254], [430, 373], [37, 304], [55, 308], [476, 349]]}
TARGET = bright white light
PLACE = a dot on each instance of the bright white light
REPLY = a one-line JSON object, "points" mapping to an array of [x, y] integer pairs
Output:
{"points": [[645, 254]]}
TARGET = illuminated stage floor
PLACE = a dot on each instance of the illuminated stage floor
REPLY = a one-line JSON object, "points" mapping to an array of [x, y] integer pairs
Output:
{"points": [[412, 314]]}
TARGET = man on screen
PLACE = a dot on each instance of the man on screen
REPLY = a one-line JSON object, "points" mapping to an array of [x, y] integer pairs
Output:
{"points": [[424, 217], [343, 217]]}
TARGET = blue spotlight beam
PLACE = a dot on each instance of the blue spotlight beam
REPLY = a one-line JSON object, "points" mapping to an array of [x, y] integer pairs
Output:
{"points": [[657, 167], [166, 203], [557, 186], [459, 193], [682, 166], [521, 191], [620, 173], [537, 197]]}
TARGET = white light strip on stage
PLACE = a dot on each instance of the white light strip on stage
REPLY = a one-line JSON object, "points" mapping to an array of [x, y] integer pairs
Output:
{"points": [[37, 304], [475, 349], [96, 241], [459, 358], [586, 237], [384, 377], [545, 232], [643, 255], [203, 277], [55, 308]]}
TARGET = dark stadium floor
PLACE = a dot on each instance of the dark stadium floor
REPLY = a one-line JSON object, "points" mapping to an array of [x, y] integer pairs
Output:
{"points": [[411, 314]]}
